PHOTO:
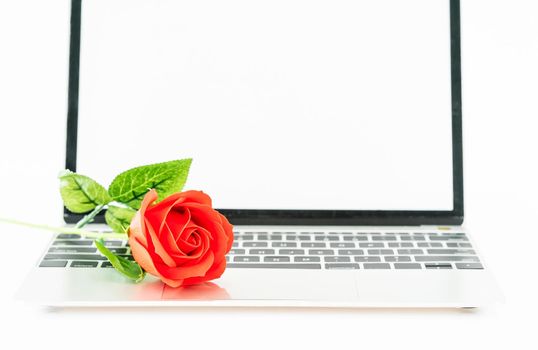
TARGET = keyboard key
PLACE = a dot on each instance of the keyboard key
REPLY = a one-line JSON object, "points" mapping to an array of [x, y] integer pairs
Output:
{"points": [[426, 258], [376, 265], [246, 258], [355, 238], [380, 252], [458, 245], [255, 244], [429, 245], [300, 238], [350, 252], [407, 266], [410, 251], [326, 238], [114, 243], [274, 266], [68, 236], [469, 266], [73, 257], [371, 245], [236, 251], [261, 251], [276, 259], [412, 238], [72, 249], [55, 263], [291, 251], [284, 245], [448, 238], [383, 238], [342, 245], [244, 238], [306, 259], [368, 259], [342, 266], [80, 242], [401, 245], [106, 264], [235, 245], [337, 259], [397, 258], [313, 245], [451, 251], [275, 237], [84, 264], [321, 252], [438, 266]]}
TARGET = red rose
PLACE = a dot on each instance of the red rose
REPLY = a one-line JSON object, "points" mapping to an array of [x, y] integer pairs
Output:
{"points": [[182, 239]]}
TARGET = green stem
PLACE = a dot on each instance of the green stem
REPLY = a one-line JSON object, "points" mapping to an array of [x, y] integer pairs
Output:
{"points": [[89, 217], [90, 234]]}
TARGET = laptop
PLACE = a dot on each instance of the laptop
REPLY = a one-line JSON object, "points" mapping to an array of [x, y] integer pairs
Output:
{"points": [[329, 133]]}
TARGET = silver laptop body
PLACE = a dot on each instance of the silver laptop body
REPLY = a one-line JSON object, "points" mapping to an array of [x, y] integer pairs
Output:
{"points": [[343, 221]]}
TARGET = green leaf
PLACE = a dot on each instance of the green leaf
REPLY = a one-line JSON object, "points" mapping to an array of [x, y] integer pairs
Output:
{"points": [[130, 186], [81, 194], [126, 267], [118, 218]]}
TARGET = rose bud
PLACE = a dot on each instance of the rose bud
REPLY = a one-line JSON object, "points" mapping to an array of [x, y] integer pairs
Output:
{"points": [[182, 240]]}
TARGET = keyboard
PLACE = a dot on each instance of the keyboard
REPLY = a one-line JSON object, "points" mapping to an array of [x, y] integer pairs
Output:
{"points": [[319, 250]]}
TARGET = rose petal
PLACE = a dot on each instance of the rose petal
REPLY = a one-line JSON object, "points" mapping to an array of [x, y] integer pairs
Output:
{"points": [[178, 220], [171, 282], [197, 197], [182, 239], [212, 223], [169, 242], [214, 272], [201, 250], [184, 243], [182, 272], [138, 226], [157, 246], [142, 257], [183, 257], [159, 212], [173, 198]]}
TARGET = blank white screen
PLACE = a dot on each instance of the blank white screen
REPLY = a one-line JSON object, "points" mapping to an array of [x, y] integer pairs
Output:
{"points": [[282, 104]]}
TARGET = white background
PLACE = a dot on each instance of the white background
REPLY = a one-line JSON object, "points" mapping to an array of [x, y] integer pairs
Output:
{"points": [[500, 74], [282, 104]]}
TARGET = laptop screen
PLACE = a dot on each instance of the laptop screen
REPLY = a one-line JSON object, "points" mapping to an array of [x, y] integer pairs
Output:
{"points": [[282, 104]]}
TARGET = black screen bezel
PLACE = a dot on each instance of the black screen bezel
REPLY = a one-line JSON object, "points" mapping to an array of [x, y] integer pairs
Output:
{"points": [[303, 217]]}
